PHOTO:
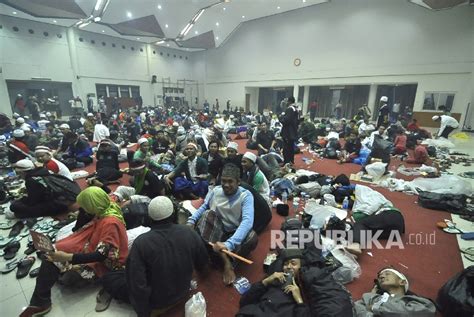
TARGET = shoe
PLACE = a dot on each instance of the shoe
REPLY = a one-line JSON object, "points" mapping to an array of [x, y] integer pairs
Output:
{"points": [[16, 229], [32, 311], [103, 300]]}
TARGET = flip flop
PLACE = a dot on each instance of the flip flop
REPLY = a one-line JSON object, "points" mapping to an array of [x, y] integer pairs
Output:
{"points": [[34, 273], [4, 241], [10, 266], [103, 300], [468, 251], [25, 266], [7, 224], [467, 236], [11, 249], [16, 229], [453, 230], [469, 257]]}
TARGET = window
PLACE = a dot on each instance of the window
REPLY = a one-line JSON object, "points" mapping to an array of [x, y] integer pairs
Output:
{"points": [[124, 92], [442, 101], [101, 90], [113, 91], [135, 91]]}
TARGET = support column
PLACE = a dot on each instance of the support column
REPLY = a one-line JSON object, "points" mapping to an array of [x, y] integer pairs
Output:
{"points": [[372, 95], [296, 91], [5, 102], [305, 100], [71, 43]]}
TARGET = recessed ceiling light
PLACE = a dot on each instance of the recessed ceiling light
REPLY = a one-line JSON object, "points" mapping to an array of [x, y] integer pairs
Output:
{"points": [[196, 32], [138, 38], [223, 8], [217, 37], [243, 17], [217, 23], [55, 21], [167, 45], [304, 1], [129, 14], [14, 12], [278, 8], [159, 7], [103, 31], [166, 25]]}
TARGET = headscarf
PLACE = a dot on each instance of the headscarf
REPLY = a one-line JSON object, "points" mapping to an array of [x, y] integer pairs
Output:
{"points": [[95, 201]]}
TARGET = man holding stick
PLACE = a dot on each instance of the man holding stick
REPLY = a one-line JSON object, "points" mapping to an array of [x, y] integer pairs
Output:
{"points": [[225, 221]]}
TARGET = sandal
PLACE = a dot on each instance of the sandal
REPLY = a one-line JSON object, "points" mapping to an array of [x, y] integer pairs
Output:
{"points": [[103, 300], [4, 241], [10, 266], [25, 266], [7, 224], [11, 249], [34, 273], [468, 251], [16, 229]]}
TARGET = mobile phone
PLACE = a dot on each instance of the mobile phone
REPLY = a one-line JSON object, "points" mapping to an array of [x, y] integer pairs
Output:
{"points": [[288, 279]]}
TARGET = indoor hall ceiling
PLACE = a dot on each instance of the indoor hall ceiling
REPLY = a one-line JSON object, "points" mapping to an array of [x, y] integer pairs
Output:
{"points": [[154, 21], [163, 22]]}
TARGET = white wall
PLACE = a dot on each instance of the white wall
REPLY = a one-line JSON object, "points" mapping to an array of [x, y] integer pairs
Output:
{"points": [[349, 42], [66, 59]]}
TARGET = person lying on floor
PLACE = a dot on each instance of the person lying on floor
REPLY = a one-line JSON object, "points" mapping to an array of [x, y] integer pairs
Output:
{"points": [[225, 219], [278, 294], [160, 264], [99, 246], [390, 297], [254, 177], [38, 201], [189, 178], [387, 220]]}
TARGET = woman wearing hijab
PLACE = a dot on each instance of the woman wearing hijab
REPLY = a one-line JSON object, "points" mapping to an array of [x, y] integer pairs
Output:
{"points": [[99, 246]]}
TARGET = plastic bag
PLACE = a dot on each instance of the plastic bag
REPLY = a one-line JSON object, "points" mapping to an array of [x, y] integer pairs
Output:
{"points": [[350, 269], [368, 200], [455, 298], [195, 306], [376, 169], [446, 184]]}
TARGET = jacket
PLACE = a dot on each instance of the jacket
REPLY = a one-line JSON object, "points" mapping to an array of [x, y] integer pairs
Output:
{"points": [[160, 266], [37, 192], [290, 123], [201, 168]]}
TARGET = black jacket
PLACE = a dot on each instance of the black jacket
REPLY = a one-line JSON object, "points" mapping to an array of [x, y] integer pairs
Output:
{"points": [[152, 186], [290, 123], [160, 266], [215, 165], [37, 192]]}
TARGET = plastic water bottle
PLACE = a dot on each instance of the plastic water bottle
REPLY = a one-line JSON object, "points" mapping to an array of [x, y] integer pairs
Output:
{"points": [[345, 203], [284, 197], [272, 192]]}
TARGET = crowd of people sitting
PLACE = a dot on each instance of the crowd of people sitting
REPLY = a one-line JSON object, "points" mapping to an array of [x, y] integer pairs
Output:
{"points": [[173, 155]]}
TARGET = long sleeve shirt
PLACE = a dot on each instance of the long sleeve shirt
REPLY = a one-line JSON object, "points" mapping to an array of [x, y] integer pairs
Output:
{"points": [[235, 211], [386, 305], [447, 121]]}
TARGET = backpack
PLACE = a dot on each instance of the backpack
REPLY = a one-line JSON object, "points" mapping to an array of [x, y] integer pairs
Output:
{"points": [[60, 188]]}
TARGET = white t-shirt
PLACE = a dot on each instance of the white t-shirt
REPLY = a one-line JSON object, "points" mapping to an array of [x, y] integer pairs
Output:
{"points": [[101, 132]]}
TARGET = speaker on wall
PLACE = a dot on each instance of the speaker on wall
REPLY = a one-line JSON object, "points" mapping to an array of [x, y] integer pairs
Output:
{"points": [[153, 79]]}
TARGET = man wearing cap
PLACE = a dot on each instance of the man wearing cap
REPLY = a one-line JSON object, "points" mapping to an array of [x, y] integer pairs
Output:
{"points": [[233, 156], [226, 219], [144, 153], [254, 176], [384, 110], [51, 137], [189, 178], [101, 132], [278, 294], [219, 135], [42, 123], [391, 297], [78, 149], [145, 181], [44, 155], [20, 123], [38, 201], [289, 131], [160, 263], [265, 139], [17, 148], [448, 124], [161, 143], [89, 125], [30, 138]]}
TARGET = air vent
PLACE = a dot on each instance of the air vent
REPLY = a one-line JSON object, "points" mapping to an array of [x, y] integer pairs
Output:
{"points": [[141, 50], [16, 29], [103, 44], [113, 45], [31, 31], [132, 48], [60, 36], [123, 46], [154, 52], [45, 33], [81, 39], [92, 42]]}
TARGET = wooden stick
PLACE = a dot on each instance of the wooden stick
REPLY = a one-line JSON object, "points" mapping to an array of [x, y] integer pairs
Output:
{"points": [[232, 254]]}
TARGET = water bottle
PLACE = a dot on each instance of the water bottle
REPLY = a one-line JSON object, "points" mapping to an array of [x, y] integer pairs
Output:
{"points": [[284, 197], [345, 203], [272, 192]]}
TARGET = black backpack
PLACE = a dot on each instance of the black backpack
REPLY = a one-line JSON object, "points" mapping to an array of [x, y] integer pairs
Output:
{"points": [[60, 187]]}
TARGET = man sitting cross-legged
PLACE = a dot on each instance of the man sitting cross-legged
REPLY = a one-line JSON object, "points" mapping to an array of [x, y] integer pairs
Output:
{"points": [[226, 219]]}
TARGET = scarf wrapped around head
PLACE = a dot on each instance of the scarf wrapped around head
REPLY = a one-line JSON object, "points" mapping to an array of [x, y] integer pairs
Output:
{"points": [[95, 201]]}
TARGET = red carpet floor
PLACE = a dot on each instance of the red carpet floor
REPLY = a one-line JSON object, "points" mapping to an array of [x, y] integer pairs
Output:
{"points": [[427, 267]]}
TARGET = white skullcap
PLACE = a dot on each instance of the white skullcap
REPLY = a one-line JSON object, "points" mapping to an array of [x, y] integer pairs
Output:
{"points": [[26, 128], [42, 115], [233, 145], [20, 120], [65, 126], [160, 208], [16, 115], [434, 118], [18, 133], [249, 155], [142, 140], [42, 149], [192, 144], [90, 114], [175, 124], [48, 114], [26, 117], [181, 131], [218, 126], [400, 275], [24, 165], [231, 116], [384, 98]]}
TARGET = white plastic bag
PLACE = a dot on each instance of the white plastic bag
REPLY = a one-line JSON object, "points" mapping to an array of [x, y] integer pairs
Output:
{"points": [[376, 169], [368, 200], [350, 269], [195, 306]]}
